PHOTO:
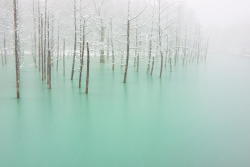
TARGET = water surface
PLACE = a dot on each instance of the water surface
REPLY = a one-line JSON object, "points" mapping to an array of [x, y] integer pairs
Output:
{"points": [[196, 116]]}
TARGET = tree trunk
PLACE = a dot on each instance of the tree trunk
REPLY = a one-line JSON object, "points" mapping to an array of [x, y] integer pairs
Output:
{"points": [[45, 42], [127, 58], [161, 64], [16, 48], [102, 57], [75, 43], [49, 57], [58, 48], [152, 67], [82, 55], [35, 37], [64, 57], [4, 51], [87, 75], [112, 45], [149, 55]]}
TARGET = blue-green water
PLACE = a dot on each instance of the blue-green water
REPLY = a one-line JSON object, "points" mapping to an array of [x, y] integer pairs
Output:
{"points": [[197, 116]]}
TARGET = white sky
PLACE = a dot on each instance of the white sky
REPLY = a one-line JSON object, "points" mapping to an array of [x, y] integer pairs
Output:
{"points": [[221, 13]]}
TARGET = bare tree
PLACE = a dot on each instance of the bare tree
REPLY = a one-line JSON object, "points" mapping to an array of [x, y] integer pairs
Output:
{"points": [[82, 54], [87, 75], [75, 43], [64, 57], [4, 49], [16, 46], [58, 48], [112, 45], [34, 35], [128, 44]]}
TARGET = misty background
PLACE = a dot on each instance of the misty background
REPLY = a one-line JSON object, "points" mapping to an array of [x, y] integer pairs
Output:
{"points": [[225, 22]]}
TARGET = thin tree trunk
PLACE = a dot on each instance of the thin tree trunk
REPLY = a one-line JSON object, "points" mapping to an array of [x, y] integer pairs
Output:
{"points": [[128, 44], [112, 45], [39, 38], [34, 31], [160, 42], [58, 48], [152, 67], [4, 51], [64, 57], [16, 49], [49, 57], [170, 63], [42, 46], [149, 55], [82, 55], [108, 44], [161, 64], [127, 58], [102, 58], [87, 75], [136, 50], [45, 43], [75, 43]]}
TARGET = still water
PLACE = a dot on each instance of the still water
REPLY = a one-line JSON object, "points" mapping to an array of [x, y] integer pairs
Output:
{"points": [[196, 116]]}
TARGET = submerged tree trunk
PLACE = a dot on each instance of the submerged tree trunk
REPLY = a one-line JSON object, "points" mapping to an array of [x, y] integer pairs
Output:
{"points": [[160, 38], [102, 57], [16, 48], [127, 58], [152, 67], [45, 43], [75, 43], [87, 75], [39, 37], [4, 51], [136, 50], [112, 45], [64, 57], [49, 57], [161, 64], [58, 48], [35, 37], [42, 47], [170, 63], [149, 55], [82, 55]]}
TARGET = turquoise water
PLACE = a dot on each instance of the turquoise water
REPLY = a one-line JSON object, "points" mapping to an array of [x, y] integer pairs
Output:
{"points": [[196, 116]]}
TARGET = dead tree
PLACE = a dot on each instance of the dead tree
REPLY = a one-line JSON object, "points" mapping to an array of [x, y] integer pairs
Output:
{"points": [[49, 56], [42, 46], [16, 46], [75, 43], [128, 44], [136, 49], [128, 39], [4, 49], [98, 10], [102, 57], [45, 42], [64, 57], [82, 54], [58, 48], [39, 37], [152, 67], [34, 36], [112, 45], [159, 33], [87, 75]]}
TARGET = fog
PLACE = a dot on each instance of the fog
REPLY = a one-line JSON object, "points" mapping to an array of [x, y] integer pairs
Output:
{"points": [[227, 22]]}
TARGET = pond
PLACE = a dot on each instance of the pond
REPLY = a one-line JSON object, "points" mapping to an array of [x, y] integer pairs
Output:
{"points": [[196, 116]]}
